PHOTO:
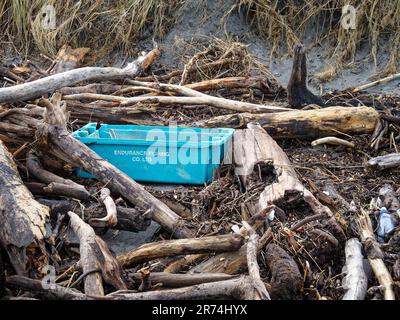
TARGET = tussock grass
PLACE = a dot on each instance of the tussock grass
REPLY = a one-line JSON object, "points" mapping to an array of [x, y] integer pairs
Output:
{"points": [[102, 25], [284, 22]]}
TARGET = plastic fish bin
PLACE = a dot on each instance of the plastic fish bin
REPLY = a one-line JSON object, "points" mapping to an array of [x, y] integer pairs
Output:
{"points": [[159, 154]]}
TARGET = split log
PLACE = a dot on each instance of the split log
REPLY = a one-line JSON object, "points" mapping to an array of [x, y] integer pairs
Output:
{"points": [[95, 255], [375, 254], [48, 85], [317, 123], [128, 219], [238, 288], [288, 188], [388, 161], [286, 281], [298, 93], [23, 221], [355, 282], [170, 248], [170, 280], [63, 145], [53, 292]]}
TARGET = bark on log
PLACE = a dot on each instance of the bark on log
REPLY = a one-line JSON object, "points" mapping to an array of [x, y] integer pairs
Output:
{"points": [[375, 255], [298, 93], [239, 288], [23, 221], [286, 281], [355, 282], [67, 148], [170, 280], [388, 161], [128, 219], [48, 85], [169, 248], [303, 123]]}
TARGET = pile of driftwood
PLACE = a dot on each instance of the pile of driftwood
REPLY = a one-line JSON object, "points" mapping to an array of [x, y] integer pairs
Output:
{"points": [[280, 240]]}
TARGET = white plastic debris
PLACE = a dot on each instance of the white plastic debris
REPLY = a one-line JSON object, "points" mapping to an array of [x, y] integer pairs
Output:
{"points": [[385, 224]]}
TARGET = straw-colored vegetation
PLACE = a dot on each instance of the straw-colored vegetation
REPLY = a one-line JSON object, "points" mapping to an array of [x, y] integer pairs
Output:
{"points": [[217, 58], [103, 25], [286, 21]]}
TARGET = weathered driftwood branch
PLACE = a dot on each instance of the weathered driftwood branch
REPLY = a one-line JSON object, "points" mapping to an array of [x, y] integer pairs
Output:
{"points": [[231, 262], [377, 82], [23, 221], [375, 255], [388, 161], [298, 93], [193, 99], [66, 147], [35, 168], [94, 255], [252, 264], [170, 280], [333, 141], [48, 85], [128, 219], [286, 281], [169, 248], [238, 288], [303, 123], [111, 219], [355, 282], [51, 292], [58, 190]]}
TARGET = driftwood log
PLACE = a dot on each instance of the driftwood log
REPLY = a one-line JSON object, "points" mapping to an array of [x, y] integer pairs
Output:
{"points": [[355, 282], [260, 147], [303, 123], [170, 280], [240, 288], [54, 292], [23, 221], [67, 148], [169, 248], [48, 85], [96, 260], [388, 161], [298, 93]]}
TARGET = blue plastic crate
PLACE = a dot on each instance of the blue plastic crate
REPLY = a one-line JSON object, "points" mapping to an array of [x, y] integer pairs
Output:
{"points": [[159, 154]]}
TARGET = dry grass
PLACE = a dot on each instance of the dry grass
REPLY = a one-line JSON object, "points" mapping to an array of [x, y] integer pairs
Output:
{"points": [[103, 25], [217, 58], [285, 21]]}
